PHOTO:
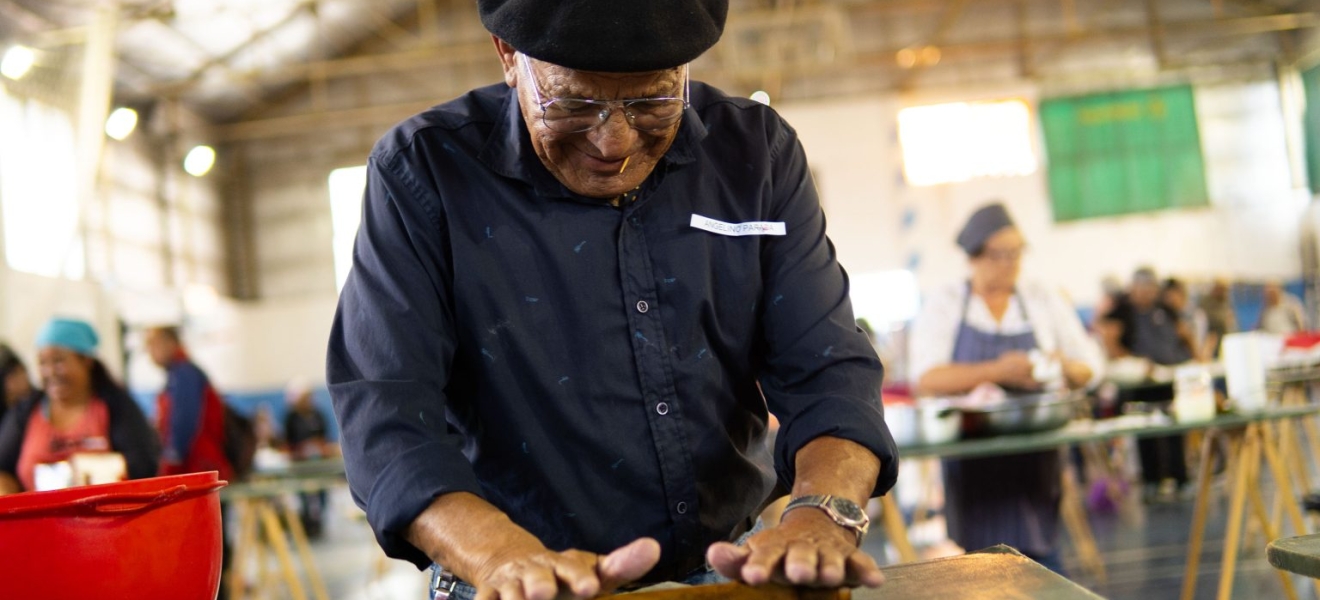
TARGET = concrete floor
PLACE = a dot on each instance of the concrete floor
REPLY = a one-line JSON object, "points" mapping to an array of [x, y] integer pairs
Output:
{"points": [[1143, 545]]}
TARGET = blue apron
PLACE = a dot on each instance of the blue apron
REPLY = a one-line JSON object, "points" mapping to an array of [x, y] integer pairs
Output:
{"points": [[1010, 500]]}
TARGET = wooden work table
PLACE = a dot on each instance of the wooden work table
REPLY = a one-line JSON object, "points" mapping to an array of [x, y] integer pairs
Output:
{"points": [[990, 574], [1300, 555]]}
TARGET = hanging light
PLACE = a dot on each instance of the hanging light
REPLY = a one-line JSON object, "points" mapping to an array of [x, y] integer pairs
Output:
{"points": [[17, 62], [121, 123], [761, 96], [199, 161]]}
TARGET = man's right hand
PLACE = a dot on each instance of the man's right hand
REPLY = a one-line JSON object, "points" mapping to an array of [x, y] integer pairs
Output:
{"points": [[482, 546], [535, 573]]}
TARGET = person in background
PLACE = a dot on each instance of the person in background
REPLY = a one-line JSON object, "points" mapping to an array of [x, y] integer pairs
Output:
{"points": [[1173, 293], [1220, 320], [17, 381], [984, 331], [1282, 312], [82, 409], [1143, 326], [190, 415], [306, 433]]}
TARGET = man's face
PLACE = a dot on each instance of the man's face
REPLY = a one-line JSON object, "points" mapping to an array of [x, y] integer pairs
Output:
{"points": [[1144, 293], [17, 385], [1272, 294], [160, 347], [592, 163]]}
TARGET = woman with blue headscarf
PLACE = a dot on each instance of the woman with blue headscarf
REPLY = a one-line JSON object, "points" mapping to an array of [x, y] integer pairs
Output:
{"points": [[81, 410]]}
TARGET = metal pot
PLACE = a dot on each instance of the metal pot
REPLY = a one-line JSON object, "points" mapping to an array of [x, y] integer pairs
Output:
{"points": [[923, 423], [1022, 413]]}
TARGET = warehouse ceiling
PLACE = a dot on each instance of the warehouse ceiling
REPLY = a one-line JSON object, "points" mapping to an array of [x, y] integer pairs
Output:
{"points": [[261, 67]]}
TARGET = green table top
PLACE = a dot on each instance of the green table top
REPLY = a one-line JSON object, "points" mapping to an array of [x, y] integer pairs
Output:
{"points": [[320, 467], [1300, 555], [1094, 430], [994, 573]]}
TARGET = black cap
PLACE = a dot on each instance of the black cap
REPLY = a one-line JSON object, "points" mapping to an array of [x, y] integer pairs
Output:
{"points": [[983, 223], [617, 36]]}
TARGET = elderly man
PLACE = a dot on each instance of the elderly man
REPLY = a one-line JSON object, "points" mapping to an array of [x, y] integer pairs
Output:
{"points": [[577, 298]]}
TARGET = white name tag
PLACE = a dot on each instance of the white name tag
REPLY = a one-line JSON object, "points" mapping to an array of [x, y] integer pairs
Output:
{"points": [[736, 229]]}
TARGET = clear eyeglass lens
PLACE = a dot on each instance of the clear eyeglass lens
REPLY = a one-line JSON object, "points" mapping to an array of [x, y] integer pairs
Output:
{"points": [[567, 115]]}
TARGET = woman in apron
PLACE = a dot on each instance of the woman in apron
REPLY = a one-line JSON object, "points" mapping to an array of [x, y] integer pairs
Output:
{"points": [[985, 330]]}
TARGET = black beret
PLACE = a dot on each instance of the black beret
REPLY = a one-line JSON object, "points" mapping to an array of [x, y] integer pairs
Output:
{"points": [[983, 223], [617, 36]]}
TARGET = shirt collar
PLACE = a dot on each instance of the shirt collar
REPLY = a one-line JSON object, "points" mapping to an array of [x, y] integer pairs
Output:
{"points": [[509, 150]]}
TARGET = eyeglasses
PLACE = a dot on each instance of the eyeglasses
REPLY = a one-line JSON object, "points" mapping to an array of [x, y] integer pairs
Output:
{"points": [[1008, 255], [576, 115]]}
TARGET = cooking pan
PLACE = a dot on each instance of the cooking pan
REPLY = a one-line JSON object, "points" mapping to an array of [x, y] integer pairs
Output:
{"points": [[1021, 413]]}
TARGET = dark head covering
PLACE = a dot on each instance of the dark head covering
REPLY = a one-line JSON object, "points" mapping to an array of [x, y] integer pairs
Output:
{"points": [[985, 222], [618, 36], [8, 360]]}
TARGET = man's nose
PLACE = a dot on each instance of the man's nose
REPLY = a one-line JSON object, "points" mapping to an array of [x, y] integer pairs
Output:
{"points": [[615, 137]]}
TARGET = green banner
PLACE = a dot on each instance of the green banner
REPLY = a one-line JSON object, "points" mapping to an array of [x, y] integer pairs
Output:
{"points": [[1123, 152], [1311, 125]]}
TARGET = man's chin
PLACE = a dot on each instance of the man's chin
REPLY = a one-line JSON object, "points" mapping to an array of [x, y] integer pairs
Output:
{"points": [[601, 186]]}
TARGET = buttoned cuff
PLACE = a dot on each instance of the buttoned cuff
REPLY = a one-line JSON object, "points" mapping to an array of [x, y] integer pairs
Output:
{"points": [[407, 486]]}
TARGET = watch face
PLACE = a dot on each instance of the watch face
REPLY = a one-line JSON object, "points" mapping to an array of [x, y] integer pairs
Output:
{"points": [[848, 510]]}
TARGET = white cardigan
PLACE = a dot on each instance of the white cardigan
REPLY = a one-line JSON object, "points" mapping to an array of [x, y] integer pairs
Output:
{"points": [[1055, 323]]}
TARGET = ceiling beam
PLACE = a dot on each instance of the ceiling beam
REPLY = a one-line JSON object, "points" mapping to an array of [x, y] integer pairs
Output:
{"points": [[952, 11], [473, 52], [319, 121], [1156, 26], [178, 88]]}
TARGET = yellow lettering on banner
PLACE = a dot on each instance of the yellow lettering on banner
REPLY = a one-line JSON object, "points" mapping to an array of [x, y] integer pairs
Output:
{"points": [[1110, 113]]}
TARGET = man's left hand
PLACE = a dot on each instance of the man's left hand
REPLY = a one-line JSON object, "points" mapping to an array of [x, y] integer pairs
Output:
{"points": [[807, 548]]}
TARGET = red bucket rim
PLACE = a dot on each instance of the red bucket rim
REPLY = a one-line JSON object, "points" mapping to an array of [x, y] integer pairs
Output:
{"points": [[54, 500]]}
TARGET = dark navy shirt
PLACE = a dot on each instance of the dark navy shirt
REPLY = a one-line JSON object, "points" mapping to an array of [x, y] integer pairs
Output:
{"points": [[596, 372]]}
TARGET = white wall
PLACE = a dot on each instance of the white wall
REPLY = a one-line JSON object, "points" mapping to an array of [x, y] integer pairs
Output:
{"points": [[1250, 230], [253, 346], [28, 301]]}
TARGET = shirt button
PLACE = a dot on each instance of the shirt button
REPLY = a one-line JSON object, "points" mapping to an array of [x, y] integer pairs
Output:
{"points": [[662, 409], [642, 306], [635, 221], [681, 508]]}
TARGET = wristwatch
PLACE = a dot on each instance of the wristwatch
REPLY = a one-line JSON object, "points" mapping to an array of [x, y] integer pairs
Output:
{"points": [[845, 512], [443, 583]]}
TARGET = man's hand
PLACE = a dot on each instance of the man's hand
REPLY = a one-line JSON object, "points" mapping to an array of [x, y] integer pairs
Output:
{"points": [[481, 546], [807, 548], [532, 572]]}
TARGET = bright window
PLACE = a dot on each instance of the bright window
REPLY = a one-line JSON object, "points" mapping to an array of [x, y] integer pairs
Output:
{"points": [[38, 189], [346, 188], [961, 141]]}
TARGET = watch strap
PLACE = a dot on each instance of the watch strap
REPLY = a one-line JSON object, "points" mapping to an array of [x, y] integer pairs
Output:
{"points": [[823, 502]]}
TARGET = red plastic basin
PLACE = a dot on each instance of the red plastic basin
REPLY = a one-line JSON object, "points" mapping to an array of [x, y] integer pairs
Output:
{"points": [[146, 539]]}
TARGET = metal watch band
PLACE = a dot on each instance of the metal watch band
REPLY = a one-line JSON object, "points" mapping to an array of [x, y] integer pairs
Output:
{"points": [[443, 586], [823, 502]]}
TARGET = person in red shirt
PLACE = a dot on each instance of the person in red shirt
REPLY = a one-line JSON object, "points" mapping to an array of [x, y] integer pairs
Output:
{"points": [[190, 415]]}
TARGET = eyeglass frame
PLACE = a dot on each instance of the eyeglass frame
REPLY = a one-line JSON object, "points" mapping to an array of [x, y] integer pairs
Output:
{"points": [[1003, 256], [609, 105]]}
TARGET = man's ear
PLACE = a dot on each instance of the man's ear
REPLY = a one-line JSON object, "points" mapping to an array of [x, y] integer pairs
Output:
{"points": [[508, 60]]}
